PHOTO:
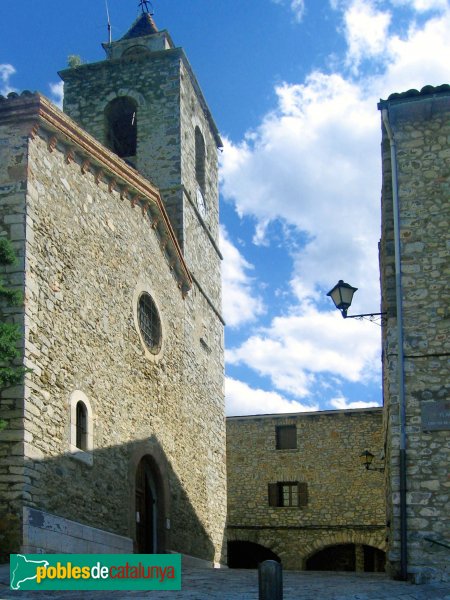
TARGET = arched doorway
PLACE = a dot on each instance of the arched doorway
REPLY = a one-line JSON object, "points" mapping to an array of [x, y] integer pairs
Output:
{"points": [[347, 557], [148, 507], [247, 555]]}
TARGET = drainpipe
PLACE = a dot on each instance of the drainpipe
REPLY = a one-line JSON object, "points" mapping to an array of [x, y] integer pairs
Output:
{"points": [[401, 373]]}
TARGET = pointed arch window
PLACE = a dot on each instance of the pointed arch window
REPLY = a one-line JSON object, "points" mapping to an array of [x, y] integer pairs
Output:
{"points": [[121, 127]]}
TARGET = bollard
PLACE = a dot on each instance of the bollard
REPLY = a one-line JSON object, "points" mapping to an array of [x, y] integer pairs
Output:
{"points": [[270, 577]]}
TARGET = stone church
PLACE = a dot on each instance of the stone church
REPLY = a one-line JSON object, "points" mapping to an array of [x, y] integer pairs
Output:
{"points": [[116, 440]]}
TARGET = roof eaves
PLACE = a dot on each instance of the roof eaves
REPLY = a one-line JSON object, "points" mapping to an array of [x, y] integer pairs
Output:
{"points": [[413, 94]]}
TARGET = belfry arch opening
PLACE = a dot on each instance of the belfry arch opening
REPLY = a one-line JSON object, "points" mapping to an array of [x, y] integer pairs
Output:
{"points": [[347, 557], [121, 128], [248, 555]]}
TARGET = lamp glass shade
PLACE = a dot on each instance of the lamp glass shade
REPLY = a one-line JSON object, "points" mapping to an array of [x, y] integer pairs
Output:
{"points": [[366, 458], [342, 295]]}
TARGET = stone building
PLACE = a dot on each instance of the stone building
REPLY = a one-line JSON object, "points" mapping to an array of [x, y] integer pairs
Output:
{"points": [[116, 440], [297, 491], [415, 267]]}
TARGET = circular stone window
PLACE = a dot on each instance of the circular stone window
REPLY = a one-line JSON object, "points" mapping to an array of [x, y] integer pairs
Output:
{"points": [[149, 323]]}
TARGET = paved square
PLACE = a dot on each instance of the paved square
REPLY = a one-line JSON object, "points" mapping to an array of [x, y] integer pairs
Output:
{"points": [[232, 584]]}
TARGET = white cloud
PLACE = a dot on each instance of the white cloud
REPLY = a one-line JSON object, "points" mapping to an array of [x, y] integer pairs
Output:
{"points": [[241, 399], [342, 403], [423, 5], [298, 350], [297, 7], [57, 92], [240, 302], [314, 163], [419, 59], [366, 31], [6, 71]]}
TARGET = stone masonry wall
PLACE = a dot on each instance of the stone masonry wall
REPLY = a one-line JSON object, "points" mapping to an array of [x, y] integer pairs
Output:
{"points": [[201, 233], [421, 128], [13, 473], [345, 502]]}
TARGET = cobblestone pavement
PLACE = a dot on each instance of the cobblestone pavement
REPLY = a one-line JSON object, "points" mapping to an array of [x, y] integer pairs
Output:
{"points": [[225, 584]]}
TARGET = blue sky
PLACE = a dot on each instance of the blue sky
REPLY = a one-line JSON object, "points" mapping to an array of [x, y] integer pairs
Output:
{"points": [[293, 86]]}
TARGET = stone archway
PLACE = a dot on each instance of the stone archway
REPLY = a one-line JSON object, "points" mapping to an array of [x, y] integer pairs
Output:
{"points": [[347, 557], [346, 551], [149, 500]]}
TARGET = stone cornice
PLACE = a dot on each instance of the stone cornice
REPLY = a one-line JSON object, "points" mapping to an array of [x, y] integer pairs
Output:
{"points": [[316, 413], [41, 114]]}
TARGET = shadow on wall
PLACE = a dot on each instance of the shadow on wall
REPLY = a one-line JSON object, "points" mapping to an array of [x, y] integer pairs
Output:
{"points": [[248, 555], [130, 490]]}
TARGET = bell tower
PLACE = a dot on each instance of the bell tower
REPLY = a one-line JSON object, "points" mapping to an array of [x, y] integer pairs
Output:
{"points": [[144, 103]]}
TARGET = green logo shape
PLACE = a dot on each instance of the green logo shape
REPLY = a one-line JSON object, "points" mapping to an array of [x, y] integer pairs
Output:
{"points": [[95, 572]]}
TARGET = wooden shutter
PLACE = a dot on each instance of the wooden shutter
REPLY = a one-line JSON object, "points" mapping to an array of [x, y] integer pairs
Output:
{"points": [[273, 494], [286, 437], [302, 494]]}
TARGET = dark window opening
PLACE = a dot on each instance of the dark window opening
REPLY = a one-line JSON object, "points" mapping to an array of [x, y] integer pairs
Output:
{"points": [[288, 494], [81, 426], [200, 159], [121, 127], [286, 437], [248, 555], [149, 323]]}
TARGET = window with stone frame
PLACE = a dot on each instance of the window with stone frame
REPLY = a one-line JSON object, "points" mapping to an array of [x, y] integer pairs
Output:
{"points": [[286, 437], [81, 427], [288, 494], [149, 323]]}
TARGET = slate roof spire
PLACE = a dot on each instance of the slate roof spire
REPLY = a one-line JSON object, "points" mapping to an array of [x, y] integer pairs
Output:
{"points": [[144, 24]]}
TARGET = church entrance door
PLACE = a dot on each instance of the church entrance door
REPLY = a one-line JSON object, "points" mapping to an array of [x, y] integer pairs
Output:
{"points": [[146, 509]]}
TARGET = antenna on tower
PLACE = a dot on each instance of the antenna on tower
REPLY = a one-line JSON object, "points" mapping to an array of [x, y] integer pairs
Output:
{"points": [[144, 6], [109, 23]]}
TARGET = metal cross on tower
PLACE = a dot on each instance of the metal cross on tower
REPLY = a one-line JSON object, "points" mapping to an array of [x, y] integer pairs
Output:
{"points": [[144, 6]]}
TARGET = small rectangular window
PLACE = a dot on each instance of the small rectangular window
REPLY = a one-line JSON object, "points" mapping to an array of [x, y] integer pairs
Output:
{"points": [[288, 494], [286, 437]]}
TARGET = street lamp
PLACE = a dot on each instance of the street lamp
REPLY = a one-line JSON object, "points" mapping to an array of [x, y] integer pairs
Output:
{"points": [[342, 296], [366, 459]]}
